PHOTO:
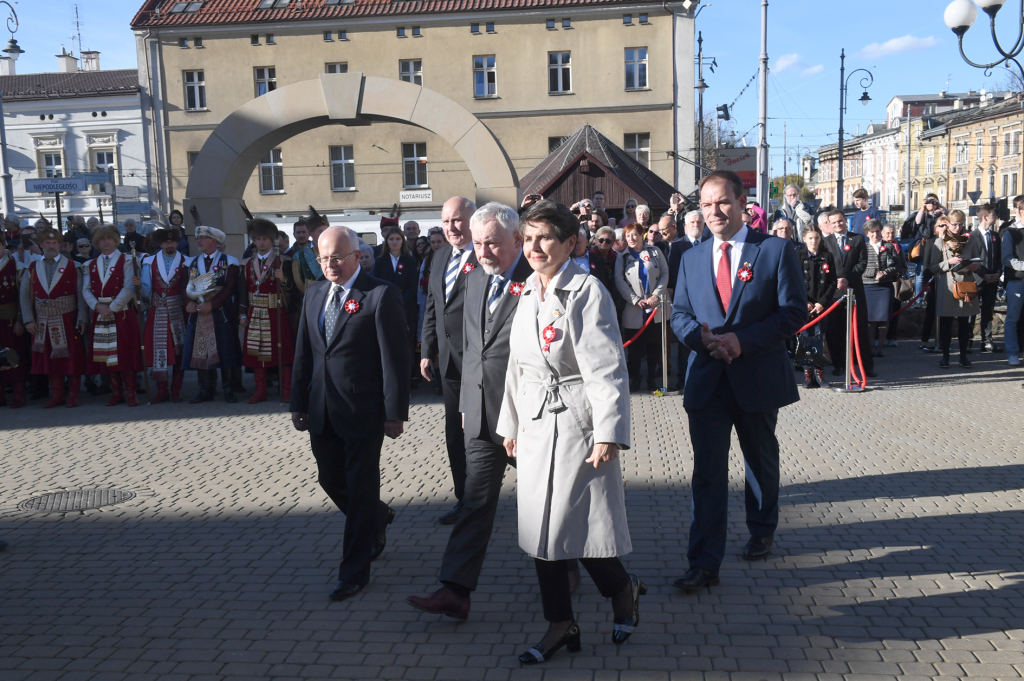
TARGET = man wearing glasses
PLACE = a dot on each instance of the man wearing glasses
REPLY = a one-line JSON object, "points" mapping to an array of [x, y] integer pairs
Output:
{"points": [[350, 388]]}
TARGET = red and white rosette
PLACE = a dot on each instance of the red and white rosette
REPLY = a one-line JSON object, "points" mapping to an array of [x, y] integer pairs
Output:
{"points": [[401, 266], [352, 306], [745, 273], [516, 288], [468, 267], [646, 257], [548, 335], [846, 247], [824, 267]]}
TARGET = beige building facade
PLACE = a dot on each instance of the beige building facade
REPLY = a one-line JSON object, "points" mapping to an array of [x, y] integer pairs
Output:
{"points": [[531, 76]]}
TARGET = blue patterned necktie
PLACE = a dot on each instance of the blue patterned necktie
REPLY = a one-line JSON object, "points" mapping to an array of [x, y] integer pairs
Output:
{"points": [[333, 310], [452, 273], [497, 288]]}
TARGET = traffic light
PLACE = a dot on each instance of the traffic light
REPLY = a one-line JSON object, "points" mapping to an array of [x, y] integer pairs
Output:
{"points": [[723, 112]]}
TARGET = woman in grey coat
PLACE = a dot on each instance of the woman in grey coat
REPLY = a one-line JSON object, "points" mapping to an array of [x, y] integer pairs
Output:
{"points": [[641, 276], [946, 261], [565, 417]]}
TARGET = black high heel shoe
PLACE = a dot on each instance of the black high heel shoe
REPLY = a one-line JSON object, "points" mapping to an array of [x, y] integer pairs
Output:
{"points": [[625, 626], [570, 640]]}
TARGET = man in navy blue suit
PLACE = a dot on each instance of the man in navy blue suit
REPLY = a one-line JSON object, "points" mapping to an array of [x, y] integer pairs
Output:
{"points": [[738, 297], [350, 388]]}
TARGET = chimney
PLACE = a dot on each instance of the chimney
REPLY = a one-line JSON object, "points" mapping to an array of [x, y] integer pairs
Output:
{"points": [[66, 63], [958, 104], [90, 60], [942, 94], [6, 66]]}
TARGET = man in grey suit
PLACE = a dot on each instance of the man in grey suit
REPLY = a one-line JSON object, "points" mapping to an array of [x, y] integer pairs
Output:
{"points": [[492, 295], [442, 331]]}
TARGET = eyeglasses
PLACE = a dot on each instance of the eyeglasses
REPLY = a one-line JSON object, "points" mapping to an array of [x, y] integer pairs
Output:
{"points": [[335, 260], [605, 241], [628, 206]]}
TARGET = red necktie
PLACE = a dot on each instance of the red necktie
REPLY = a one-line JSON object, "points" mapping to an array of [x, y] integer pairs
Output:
{"points": [[724, 278]]}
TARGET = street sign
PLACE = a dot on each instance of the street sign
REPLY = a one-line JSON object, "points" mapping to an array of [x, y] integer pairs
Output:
{"points": [[51, 185], [895, 207], [126, 192], [132, 207], [416, 196], [773, 204], [92, 178], [974, 196]]}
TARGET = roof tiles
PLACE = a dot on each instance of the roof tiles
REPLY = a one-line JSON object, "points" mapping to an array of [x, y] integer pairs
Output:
{"points": [[41, 86]]}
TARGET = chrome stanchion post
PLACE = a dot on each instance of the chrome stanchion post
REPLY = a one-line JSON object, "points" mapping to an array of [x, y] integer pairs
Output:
{"points": [[663, 304], [848, 386]]}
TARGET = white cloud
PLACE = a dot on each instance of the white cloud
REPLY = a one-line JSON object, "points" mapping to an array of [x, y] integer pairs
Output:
{"points": [[786, 61], [907, 43], [812, 71]]}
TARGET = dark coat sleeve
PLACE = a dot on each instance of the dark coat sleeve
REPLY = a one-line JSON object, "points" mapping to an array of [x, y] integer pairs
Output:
{"points": [[829, 281], [394, 354], [302, 366], [428, 332]]}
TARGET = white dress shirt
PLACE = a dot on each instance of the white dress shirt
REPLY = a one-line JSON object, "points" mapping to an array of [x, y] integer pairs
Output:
{"points": [[735, 253], [394, 262]]}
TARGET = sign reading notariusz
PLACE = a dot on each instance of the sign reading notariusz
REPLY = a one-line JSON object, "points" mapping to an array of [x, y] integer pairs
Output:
{"points": [[416, 196], [50, 185]]}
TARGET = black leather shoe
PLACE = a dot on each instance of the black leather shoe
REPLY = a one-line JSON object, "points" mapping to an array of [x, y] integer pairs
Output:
{"points": [[452, 516], [229, 396], [382, 536], [837, 371], [570, 640], [696, 579], [625, 626], [757, 548], [965, 363], [344, 590], [202, 397], [944, 363]]}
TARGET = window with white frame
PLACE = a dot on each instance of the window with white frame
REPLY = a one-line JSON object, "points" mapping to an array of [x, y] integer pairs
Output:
{"points": [[337, 67], [414, 162], [981, 148], [638, 145], [1006, 185], [103, 160], [343, 168], [272, 173], [961, 152], [929, 163], [411, 71], [1016, 141], [195, 91], [485, 76], [942, 160], [1013, 185], [53, 165], [266, 80], [942, 196], [1006, 145], [636, 68], [559, 72]]}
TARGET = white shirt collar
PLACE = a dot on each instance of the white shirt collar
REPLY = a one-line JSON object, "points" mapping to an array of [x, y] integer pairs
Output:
{"points": [[531, 281], [739, 237], [347, 286]]}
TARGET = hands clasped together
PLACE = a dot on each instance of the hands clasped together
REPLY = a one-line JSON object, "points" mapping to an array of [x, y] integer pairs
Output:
{"points": [[725, 347]]}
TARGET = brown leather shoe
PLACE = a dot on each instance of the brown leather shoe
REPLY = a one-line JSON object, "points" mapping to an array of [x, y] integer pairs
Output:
{"points": [[444, 601]]}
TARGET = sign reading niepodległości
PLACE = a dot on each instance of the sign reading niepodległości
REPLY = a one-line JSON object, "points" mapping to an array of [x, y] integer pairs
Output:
{"points": [[51, 185]]}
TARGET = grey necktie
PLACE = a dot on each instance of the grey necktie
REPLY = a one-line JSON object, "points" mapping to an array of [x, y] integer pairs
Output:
{"points": [[333, 310], [497, 288]]}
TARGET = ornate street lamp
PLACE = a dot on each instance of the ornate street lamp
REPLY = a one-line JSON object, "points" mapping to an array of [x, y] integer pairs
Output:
{"points": [[13, 52], [844, 82], [960, 16]]}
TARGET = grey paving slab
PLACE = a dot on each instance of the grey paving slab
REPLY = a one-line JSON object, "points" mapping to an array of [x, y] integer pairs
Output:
{"points": [[900, 552]]}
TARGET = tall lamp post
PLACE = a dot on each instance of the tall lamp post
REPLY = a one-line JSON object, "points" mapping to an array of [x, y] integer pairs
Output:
{"points": [[700, 87], [844, 82], [13, 51]]}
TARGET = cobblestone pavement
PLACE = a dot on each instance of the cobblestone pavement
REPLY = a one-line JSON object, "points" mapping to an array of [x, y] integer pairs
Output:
{"points": [[899, 551]]}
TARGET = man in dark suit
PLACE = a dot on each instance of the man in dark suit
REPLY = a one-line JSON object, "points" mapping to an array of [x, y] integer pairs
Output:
{"points": [[492, 295], [850, 253], [738, 297], [441, 335], [350, 388], [990, 270]]}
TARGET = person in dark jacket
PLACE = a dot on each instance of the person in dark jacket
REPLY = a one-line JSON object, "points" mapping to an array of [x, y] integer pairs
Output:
{"points": [[396, 265], [819, 269], [884, 268]]}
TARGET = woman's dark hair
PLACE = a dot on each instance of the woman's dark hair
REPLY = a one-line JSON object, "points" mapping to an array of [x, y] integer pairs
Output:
{"points": [[386, 250], [555, 214], [812, 229], [425, 242], [179, 214]]}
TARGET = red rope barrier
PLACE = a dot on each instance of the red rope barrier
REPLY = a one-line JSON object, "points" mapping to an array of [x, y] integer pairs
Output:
{"points": [[862, 381], [646, 324], [819, 317], [912, 301]]}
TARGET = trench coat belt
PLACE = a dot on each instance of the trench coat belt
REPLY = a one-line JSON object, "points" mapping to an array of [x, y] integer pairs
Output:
{"points": [[552, 399]]}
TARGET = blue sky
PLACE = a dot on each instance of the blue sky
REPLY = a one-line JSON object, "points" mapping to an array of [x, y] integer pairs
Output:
{"points": [[903, 42]]}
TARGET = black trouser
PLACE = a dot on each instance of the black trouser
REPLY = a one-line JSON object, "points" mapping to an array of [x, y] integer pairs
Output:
{"points": [[453, 435], [929, 314], [464, 557], [349, 471], [835, 334], [894, 322], [964, 329], [710, 432], [608, 574], [682, 358], [987, 296], [649, 344]]}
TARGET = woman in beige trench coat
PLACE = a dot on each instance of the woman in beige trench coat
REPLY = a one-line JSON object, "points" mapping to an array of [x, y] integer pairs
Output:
{"points": [[565, 416]]}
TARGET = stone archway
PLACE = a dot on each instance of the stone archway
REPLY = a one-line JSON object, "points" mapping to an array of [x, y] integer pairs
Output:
{"points": [[226, 161]]}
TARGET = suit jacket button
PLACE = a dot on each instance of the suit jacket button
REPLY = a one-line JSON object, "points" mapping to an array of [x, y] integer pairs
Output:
{"points": [[480, 386], [327, 355], [447, 335]]}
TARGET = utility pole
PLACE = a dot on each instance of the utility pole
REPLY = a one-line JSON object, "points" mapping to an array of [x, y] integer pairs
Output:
{"points": [[785, 177], [762, 141], [700, 87], [906, 184]]}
